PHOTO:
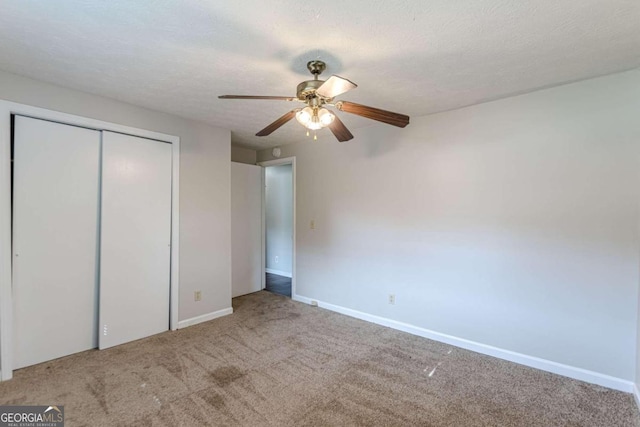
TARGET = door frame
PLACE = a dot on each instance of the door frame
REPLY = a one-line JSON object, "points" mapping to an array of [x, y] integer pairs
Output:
{"points": [[278, 162], [7, 109]]}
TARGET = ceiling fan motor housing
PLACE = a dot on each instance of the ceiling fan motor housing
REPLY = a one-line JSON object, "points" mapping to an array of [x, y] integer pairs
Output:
{"points": [[308, 89]]}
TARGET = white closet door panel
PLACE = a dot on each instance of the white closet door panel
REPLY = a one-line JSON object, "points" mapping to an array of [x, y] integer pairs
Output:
{"points": [[55, 240], [246, 229], [135, 238]]}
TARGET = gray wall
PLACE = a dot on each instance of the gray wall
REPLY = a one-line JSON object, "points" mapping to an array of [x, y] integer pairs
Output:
{"points": [[243, 155], [279, 218], [512, 223], [205, 242]]}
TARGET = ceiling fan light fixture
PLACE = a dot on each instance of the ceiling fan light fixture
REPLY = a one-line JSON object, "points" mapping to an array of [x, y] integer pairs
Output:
{"points": [[315, 118], [304, 116], [314, 124], [326, 117]]}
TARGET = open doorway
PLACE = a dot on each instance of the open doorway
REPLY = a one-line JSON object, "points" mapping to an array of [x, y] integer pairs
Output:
{"points": [[279, 227]]}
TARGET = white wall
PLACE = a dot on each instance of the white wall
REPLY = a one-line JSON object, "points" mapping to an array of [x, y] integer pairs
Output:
{"points": [[205, 240], [279, 218], [512, 223], [246, 229]]}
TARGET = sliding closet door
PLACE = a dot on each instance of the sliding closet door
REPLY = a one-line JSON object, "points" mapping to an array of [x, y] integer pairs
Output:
{"points": [[135, 238], [55, 238]]}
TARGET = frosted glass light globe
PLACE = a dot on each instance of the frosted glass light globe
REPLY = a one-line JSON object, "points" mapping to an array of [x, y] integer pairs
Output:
{"points": [[326, 117], [304, 116]]}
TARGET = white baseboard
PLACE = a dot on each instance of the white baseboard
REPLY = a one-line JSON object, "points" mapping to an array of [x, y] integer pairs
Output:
{"points": [[278, 272], [636, 395], [204, 317], [523, 359]]}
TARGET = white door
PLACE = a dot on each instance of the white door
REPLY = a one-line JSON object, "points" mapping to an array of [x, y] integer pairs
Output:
{"points": [[278, 200], [55, 240], [246, 229], [135, 238]]}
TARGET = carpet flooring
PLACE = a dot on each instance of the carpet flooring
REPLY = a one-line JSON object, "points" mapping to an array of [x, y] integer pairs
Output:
{"points": [[277, 284], [276, 362]]}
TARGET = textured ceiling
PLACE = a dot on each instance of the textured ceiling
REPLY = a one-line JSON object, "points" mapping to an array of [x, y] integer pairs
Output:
{"points": [[414, 57]]}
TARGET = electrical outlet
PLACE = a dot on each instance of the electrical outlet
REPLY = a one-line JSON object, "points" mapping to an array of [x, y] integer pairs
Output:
{"points": [[312, 224], [314, 303], [277, 259], [197, 295], [392, 298]]}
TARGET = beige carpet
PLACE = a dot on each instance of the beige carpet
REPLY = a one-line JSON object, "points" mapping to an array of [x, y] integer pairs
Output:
{"points": [[278, 362]]}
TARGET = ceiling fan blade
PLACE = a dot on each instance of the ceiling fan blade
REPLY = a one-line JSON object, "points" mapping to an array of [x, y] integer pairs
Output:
{"points": [[334, 86], [278, 98], [339, 130], [275, 125], [391, 118]]}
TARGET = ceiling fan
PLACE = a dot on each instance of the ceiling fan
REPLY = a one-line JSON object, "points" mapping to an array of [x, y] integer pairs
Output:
{"points": [[317, 94]]}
